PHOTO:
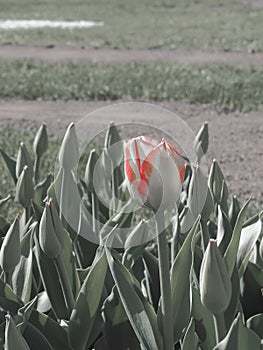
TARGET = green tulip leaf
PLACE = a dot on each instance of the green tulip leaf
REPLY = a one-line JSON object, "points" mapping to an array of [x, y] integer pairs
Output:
{"points": [[55, 334], [9, 301], [231, 310], [204, 323], [13, 338], [251, 292], [152, 273], [201, 141], [239, 337], [41, 189], [36, 339], [197, 191], [4, 226], [118, 331], [248, 238], [234, 210], [232, 249], [255, 323], [69, 262], [180, 284], [22, 275], [224, 230], [133, 305], [191, 340], [87, 304], [50, 280], [11, 165], [24, 314]]}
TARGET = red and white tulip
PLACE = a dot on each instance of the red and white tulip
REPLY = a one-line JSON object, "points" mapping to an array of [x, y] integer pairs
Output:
{"points": [[154, 171]]}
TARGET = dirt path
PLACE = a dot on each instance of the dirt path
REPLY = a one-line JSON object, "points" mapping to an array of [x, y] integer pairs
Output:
{"points": [[235, 139], [77, 54]]}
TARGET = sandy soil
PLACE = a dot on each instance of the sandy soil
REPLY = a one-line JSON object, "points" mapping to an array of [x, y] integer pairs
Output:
{"points": [[236, 139], [78, 54]]}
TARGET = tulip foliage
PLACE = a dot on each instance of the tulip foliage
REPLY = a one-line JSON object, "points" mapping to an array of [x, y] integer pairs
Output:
{"points": [[59, 290]]}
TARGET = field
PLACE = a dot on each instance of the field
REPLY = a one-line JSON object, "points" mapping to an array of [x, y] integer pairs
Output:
{"points": [[200, 59], [152, 24]]}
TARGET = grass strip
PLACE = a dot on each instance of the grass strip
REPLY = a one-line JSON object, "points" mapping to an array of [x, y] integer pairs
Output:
{"points": [[228, 88]]}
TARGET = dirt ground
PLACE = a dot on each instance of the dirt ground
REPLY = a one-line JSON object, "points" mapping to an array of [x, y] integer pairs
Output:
{"points": [[107, 55], [236, 139]]}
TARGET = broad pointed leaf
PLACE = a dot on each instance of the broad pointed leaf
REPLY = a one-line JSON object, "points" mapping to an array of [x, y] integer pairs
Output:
{"points": [[239, 337], [133, 305], [180, 284], [87, 305]]}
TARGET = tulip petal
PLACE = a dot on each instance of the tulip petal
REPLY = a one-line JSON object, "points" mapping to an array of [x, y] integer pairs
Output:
{"points": [[129, 169]]}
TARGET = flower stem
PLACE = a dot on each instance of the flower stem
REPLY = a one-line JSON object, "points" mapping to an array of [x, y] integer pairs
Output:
{"points": [[36, 169], [219, 327], [165, 285], [64, 195], [95, 213]]}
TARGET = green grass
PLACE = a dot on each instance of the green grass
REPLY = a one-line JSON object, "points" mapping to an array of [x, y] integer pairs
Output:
{"points": [[228, 88], [199, 24]]}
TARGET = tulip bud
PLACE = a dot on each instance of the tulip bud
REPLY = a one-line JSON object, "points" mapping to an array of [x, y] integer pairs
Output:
{"points": [[41, 141], [10, 250], [201, 141], [113, 144], [215, 284], [48, 236], [89, 172], [112, 136], [197, 190], [24, 188], [23, 158], [105, 164], [154, 172], [69, 150], [215, 181]]}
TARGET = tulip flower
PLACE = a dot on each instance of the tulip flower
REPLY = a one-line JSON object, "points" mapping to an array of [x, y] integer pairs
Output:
{"points": [[154, 172]]}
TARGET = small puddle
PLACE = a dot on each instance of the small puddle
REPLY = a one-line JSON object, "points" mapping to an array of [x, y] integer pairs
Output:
{"points": [[10, 24]]}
